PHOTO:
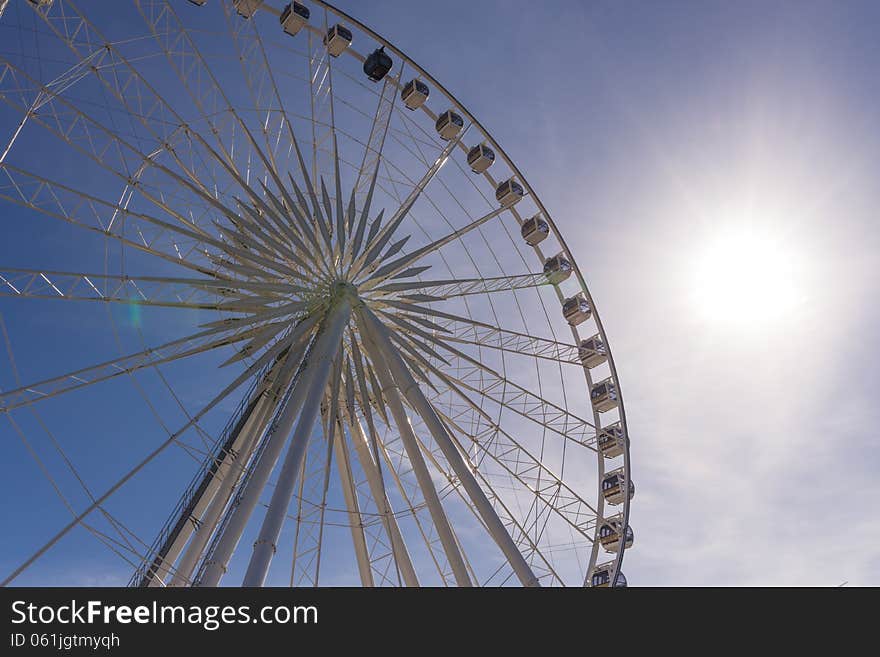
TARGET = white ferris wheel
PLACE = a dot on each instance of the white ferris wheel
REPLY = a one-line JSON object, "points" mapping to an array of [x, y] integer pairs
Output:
{"points": [[367, 354]]}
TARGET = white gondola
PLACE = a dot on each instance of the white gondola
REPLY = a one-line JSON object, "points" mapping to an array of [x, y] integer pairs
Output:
{"points": [[294, 18], [576, 309], [601, 577], [604, 395], [246, 8], [449, 124], [48, 3], [611, 441], [612, 487], [557, 269], [509, 193], [480, 158], [592, 352], [535, 230], [337, 39], [609, 535], [414, 94]]}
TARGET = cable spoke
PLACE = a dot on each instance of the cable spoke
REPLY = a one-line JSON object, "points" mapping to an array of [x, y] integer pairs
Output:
{"points": [[395, 267], [375, 243], [479, 334], [246, 375], [441, 522], [480, 378]]}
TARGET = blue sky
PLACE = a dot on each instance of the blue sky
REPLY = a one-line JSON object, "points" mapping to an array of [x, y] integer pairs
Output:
{"points": [[652, 131]]}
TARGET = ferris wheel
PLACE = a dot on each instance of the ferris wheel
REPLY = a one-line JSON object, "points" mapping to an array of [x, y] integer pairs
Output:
{"points": [[363, 350]]}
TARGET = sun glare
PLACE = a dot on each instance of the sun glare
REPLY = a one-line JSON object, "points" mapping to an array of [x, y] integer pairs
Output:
{"points": [[745, 278]]}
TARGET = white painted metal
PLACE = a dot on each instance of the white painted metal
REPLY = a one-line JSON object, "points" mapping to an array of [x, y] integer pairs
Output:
{"points": [[326, 348], [611, 441], [413, 394], [355, 519], [613, 488], [390, 390], [592, 352], [252, 431], [218, 560], [377, 488], [264, 252]]}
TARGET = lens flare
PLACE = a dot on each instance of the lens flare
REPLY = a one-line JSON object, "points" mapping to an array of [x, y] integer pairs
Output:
{"points": [[745, 278]]}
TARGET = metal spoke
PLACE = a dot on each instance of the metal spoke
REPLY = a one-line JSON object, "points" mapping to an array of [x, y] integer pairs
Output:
{"points": [[245, 376], [166, 353], [134, 290]]}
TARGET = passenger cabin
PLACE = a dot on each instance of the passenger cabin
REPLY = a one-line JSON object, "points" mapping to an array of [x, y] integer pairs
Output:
{"points": [[449, 124], [601, 577], [480, 158], [199, 3], [592, 352], [611, 441], [535, 230], [337, 39], [612, 487], [604, 395], [576, 309], [557, 269], [294, 17], [377, 64], [509, 193], [609, 535], [414, 94], [246, 8]]}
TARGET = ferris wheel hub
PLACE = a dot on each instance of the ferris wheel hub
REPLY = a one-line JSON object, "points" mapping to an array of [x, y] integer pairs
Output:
{"points": [[342, 290]]}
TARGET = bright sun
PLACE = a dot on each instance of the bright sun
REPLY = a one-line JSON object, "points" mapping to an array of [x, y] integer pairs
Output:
{"points": [[744, 278]]}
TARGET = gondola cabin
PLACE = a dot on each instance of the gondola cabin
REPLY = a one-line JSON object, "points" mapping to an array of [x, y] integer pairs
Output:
{"points": [[601, 577], [449, 124], [611, 441], [294, 17], [535, 230], [576, 309], [414, 94], [377, 64], [603, 395], [609, 535], [198, 3], [509, 193], [337, 39], [480, 158], [592, 352], [612, 487], [246, 8], [557, 269]]}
